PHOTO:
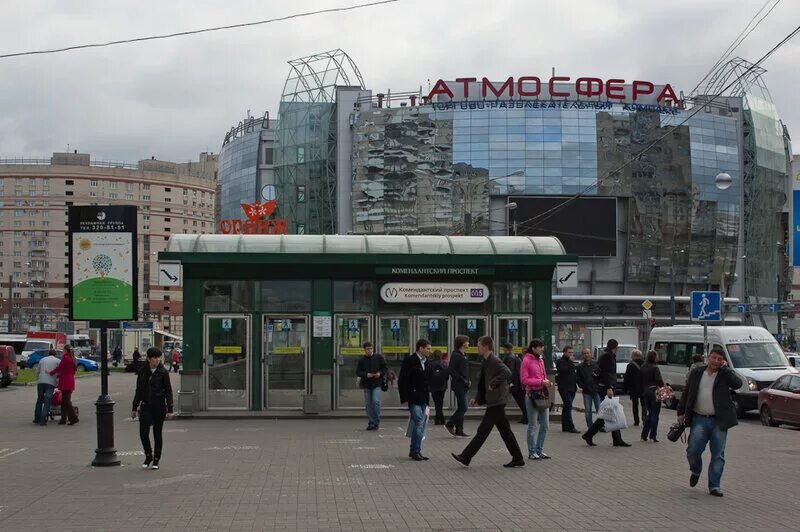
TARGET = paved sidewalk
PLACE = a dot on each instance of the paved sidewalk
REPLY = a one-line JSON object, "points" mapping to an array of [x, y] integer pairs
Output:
{"points": [[332, 475]]}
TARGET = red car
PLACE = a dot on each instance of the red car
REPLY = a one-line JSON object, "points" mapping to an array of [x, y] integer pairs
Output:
{"points": [[779, 403]]}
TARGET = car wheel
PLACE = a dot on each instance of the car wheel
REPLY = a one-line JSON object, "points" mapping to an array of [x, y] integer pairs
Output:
{"points": [[766, 417], [80, 368], [4, 381], [737, 405]]}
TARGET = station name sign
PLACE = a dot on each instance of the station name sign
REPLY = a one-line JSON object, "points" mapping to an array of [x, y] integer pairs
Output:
{"points": [[451, 271], [434, 292], [533, 87]]}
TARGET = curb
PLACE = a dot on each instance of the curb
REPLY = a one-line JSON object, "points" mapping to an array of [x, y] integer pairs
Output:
{"points": [[34, 383]]}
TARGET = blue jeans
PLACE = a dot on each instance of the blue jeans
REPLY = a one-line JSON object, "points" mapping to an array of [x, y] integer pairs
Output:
{"points": [[705, 430], [372, 400], [588, 400], [418, 420], [538, 420], [462, 403], [651, 412], [44, 394], [566, 411]]}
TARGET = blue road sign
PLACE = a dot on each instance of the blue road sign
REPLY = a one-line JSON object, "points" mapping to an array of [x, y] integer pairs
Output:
{"points": [[741, 309], [774, 307], [706, 306]]}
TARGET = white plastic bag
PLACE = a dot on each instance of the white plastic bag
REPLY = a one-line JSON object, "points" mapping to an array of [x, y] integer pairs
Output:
{"points": [[410, 427], [613, 414]]}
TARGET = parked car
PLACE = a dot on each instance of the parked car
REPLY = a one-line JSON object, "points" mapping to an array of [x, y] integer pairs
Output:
{"points": [[780, 402], [83, 364], [8, 365]]}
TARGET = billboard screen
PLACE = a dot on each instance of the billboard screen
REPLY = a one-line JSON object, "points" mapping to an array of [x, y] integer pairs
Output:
{"points": [[587, 226]]}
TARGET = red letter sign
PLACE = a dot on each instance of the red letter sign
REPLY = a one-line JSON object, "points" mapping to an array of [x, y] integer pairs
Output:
{"points": [[667, 92], [615, 89], [553, 93], [440, 88], [639, 86], [466, 82], [509, 84], [524, 79]]}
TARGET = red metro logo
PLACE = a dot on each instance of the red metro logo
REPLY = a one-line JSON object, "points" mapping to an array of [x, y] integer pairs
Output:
{"points": [[258, 221], [556, 87]]}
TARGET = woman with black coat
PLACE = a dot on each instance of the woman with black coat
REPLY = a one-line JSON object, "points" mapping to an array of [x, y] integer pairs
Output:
{"points": [[152, 403], [651, 382]]}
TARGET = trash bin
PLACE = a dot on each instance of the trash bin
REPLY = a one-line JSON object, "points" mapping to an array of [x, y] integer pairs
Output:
{"points": [[310, 404], [185, 403]]}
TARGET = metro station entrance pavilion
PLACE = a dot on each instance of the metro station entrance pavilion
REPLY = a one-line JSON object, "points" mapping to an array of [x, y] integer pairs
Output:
{"points": [[277, 321]]}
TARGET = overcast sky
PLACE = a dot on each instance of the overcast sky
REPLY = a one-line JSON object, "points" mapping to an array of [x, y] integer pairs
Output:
{"points": [[175, 98]]}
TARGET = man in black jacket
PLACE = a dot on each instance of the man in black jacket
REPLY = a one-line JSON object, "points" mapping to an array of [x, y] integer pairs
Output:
{"points": [[492, 392], [513, 362], [152, 403], [458, 369], [707, 407], [632, 382], [606, 382], [567, 383], [371, 370], [414, 390], [587, 380]]}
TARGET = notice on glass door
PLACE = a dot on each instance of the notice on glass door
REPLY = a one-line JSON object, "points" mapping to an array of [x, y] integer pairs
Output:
{"points": [[323, 326]]}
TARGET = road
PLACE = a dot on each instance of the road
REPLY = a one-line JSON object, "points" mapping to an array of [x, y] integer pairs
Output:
{"points": [[332, 475]]}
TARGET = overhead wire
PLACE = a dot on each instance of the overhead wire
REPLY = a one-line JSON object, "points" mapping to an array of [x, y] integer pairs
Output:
{"points": [[193, 32]]}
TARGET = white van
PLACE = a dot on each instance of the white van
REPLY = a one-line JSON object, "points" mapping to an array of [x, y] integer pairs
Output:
{"points": [[752, 352]]}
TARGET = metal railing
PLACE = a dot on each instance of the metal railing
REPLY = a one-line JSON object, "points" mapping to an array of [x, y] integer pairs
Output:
{"points": [[46, 161]]}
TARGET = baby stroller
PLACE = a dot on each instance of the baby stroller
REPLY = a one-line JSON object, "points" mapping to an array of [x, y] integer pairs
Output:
{"points": [[55, 405]]}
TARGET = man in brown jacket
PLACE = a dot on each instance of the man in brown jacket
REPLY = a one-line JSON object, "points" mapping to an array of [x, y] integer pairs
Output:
{"points": [[492, 392]]}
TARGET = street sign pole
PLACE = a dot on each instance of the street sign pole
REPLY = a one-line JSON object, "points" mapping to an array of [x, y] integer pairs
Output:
{"points": [[705, 338]]}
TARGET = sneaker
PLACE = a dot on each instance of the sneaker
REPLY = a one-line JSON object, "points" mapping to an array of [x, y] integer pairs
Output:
{"points": [[693, 479], [155, 464], [544, 456], [716, 492], [534, 456], [462, 434], [146, 464]]}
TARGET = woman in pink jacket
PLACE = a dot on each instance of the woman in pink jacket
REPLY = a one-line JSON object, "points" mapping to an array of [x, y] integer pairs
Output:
{"points": [[534, 379], [66, 383]]}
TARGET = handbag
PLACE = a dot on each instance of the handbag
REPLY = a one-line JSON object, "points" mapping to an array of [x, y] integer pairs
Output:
{"points": [[384, 384], [675, 432], [540, 399], [664, 393]]}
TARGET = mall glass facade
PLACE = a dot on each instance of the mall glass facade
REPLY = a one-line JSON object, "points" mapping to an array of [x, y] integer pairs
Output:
{"points": [[238, 174]]}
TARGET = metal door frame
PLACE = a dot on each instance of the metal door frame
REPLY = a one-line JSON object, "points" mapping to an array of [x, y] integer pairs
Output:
{"points": [[206, 354], [379, 340], [336, 356], [451, 402], [264, 354], [415, 328], [496, 325]]}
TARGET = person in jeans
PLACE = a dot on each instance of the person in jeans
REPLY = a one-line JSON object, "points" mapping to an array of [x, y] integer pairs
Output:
{"points": [[534, 378], [587, 372], [651, 382], [371, 370], [458, 368], [566, 381], [45, 386], [437, 379], [633, 383], [66, 384], [514, 363], [152, 402], [492, 392], [414, 390], [707, 407]]}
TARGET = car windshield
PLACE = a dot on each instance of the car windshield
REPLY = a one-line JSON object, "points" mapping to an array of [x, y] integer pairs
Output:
{"points": [[34, 346], [80, 343], [757, 355], [624, 353]]}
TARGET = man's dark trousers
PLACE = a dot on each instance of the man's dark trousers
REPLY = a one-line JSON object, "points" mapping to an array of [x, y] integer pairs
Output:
{"points": [[495, 416], [567, 424], [636, 400]]}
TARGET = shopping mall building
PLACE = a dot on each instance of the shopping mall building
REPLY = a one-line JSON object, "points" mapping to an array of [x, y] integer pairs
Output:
{"points": [[623, 173]]}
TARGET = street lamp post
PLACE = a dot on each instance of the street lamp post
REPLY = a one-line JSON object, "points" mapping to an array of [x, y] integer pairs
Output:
{"points": [[466, 192]]}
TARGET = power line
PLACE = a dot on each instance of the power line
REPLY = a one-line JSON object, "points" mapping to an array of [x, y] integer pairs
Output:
{"points": [[194, 32], [543, 216], [737, 41]]}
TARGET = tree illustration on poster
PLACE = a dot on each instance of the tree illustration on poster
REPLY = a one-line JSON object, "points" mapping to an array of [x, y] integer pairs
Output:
{"points": [[103, 288]]}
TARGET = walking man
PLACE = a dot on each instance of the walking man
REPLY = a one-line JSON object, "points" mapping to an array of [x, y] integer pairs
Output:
{"points": [[46, 384], [606, 382], [633, 383], [458, 368], [437, 381], [587, 380], [414, 390], [567, 383], [514, 363], [492, 392], [707, 407], [152, 403], [371, 371]]}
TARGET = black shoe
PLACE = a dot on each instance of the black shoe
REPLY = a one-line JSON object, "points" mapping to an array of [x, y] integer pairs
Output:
{"points": [[622, 444], [416, 457], [572, 431], [654, 440], [371, 427], [636, 424], [451, 429], [523, 421], [693, 479], [588, 440], [147, 460], [155, 464], [716, 492], [462, 434], [460, 459], [514, 463]]}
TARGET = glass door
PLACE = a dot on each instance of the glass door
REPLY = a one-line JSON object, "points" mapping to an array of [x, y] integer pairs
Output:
{"points": [[473, 327], [351, 333], [436, 329], [515, 330], [286, 350], [395, 344], [227, 350]]}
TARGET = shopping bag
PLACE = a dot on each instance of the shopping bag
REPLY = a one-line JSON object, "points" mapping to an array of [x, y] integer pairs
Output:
{"points": [[410, 427], [613, 414]]}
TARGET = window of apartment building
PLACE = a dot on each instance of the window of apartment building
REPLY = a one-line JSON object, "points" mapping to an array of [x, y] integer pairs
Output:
{"points": [[70, 193], [17, 253], [46, 214], [69, 182], [167, 189], [301, 229], [31, 214], [167, 209], [128, 196], [202, 224], [168, 200], [145, 197], [129, 187], [266, 154], [112, 195], [18, 193], [92, 194], [146, 296], [17, 214], [93, 183], [185, 191], [113, 185], [18, 203], [301, 154], [17, 223], [167, 220], [45, 193], [17, 264], [194, 223], [301, 193], [185, 222], [166, 298], [17, 243], [32, 223], [167, 230], [145, 186]]}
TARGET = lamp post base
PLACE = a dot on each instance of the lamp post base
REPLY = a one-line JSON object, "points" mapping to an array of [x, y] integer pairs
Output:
{"points": [[105, 453]]}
